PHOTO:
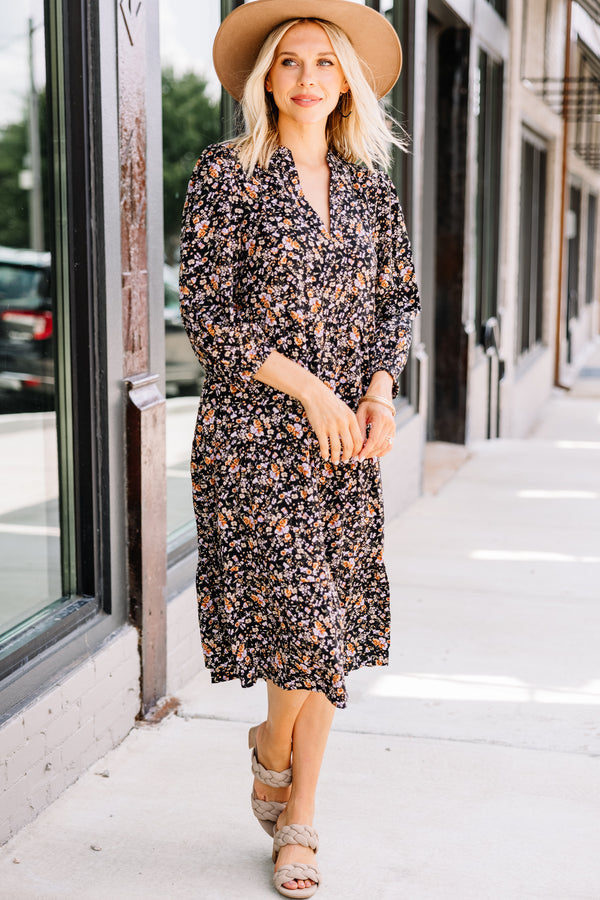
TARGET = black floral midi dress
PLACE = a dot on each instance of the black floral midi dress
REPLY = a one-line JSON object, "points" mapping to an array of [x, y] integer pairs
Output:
{"points": [[291, 581]]}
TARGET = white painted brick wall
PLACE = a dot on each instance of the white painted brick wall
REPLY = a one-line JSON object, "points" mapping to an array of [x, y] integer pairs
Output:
{"points": [[46, 746], [184, 651]]}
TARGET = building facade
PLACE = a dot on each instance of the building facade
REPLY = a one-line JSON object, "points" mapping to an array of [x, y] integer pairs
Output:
{"points": [[99, 388]]}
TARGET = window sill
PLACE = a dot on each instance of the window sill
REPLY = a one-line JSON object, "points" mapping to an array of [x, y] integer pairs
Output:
{"points": [[57, 641]]}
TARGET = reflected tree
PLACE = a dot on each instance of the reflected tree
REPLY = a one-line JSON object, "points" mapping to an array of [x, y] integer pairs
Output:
{"points": [[15, 228], [190, 123]]}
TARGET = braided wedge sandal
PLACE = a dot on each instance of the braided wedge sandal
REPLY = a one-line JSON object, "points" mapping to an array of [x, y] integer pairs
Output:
{"points": [[305, 836], [266, 811]]}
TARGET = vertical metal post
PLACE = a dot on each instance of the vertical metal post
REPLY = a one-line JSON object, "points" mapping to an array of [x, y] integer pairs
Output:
{"points": [[146, 407]]}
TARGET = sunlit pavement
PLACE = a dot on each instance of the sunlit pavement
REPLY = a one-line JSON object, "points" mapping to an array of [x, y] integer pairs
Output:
{"points": [[467, 770]]}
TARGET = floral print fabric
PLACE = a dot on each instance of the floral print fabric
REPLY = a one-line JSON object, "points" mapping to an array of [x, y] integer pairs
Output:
{"points": [[291, 581]]}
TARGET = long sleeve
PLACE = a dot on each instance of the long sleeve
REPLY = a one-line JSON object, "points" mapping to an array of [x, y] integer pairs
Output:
{"points": [[397, 297], [226, 344]]}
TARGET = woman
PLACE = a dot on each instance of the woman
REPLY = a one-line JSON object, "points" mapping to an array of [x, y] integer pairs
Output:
{"points": [[298, 294]]}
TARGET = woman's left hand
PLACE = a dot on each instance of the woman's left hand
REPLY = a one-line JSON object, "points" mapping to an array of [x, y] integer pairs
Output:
{"points": [[380, 433]]}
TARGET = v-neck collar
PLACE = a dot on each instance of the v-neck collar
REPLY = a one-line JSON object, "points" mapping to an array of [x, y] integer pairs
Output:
{"points": [[283, 155]]}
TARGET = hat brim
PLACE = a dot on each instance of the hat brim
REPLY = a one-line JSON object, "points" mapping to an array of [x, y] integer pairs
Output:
{"points": [[243, 32]]}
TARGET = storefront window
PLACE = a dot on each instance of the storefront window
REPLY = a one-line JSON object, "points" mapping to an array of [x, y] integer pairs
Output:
{"points": [[54, 539], [590, 268], [30, 551], [531, 244], [191, 120]]}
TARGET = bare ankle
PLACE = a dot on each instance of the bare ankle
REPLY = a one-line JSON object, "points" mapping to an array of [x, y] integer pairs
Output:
{"points": [[300, 811], [275, 747]]}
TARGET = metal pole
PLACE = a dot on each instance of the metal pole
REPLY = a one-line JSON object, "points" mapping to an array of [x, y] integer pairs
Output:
{"points": [[36, 221], [563, 198]]}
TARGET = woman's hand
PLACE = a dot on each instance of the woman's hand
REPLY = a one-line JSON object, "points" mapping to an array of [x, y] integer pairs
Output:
{"points": [[379, 423], [332, 420], [376, 422], [334, 423], [342, 434]]}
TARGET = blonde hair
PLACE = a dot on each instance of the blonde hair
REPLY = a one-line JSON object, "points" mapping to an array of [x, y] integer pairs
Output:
{"points": [[365, 136]]}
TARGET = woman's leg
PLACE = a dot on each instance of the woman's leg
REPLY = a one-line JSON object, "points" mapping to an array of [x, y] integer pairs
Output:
{"points": [[310, 733], [274, 737]]}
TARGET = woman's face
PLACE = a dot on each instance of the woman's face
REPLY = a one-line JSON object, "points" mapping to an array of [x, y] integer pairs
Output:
{"points": [[306, 79]]}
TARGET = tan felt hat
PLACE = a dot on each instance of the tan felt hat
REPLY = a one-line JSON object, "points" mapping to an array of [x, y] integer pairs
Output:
{"points": [[243, 33]]}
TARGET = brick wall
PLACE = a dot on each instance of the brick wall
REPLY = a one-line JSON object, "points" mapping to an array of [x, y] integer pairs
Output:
{"points": [[50, 743]]}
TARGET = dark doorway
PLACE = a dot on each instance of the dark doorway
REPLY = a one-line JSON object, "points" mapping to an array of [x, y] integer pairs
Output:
{"points": [[444, 228]]}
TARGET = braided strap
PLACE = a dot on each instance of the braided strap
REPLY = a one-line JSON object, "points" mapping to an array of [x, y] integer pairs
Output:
{"points": [[267, 812], [303, 835], [296, 872], [269, 776]]}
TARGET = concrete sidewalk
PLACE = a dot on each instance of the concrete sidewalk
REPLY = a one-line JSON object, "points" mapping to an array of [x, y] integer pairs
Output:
{"points": [[467, 770]]}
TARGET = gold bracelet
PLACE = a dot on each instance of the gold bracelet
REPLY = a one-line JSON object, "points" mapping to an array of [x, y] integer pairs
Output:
{"points": [[377, 399]]}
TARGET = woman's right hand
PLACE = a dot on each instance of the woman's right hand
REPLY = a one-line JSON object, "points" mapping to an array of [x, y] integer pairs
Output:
{"points": [[333, 422]]}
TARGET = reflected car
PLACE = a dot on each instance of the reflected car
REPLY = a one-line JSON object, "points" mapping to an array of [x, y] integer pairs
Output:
{"points": [[26, 331], [26, 344]]}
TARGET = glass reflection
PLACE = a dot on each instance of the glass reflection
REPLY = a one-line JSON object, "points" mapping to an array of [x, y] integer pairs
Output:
{"points": [[191, 121], [29, 521]]}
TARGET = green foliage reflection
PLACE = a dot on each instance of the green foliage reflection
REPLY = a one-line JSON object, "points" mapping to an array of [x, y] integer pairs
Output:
{"points": [[190, 123]]}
